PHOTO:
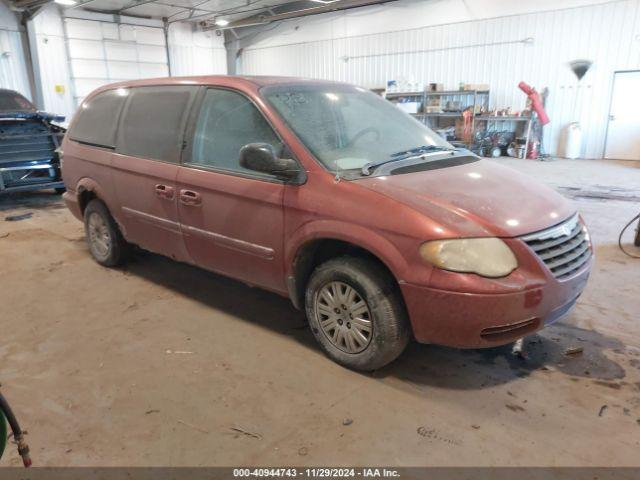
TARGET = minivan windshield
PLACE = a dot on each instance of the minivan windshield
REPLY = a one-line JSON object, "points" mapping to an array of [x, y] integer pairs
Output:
{"points": [[348, 127]]}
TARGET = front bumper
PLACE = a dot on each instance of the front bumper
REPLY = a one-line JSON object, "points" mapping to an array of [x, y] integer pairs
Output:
{"points": [[22, 178], [470, 320]]}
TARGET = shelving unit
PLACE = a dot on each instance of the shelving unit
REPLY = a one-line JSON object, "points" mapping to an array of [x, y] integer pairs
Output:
{"points": [[474, 99], [527, 121], [403, 94], [467, 98]]}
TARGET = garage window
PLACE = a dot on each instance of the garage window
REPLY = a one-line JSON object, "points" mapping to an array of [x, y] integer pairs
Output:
{"points": [[227, 122], [153, 122], [97, 119]]}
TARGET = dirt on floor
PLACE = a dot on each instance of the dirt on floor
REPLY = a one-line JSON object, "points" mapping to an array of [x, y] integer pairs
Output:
{"points": [[160, 363]]}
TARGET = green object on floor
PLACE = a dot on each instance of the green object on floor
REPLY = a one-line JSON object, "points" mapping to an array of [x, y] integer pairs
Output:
{"points": [[3, 433]]}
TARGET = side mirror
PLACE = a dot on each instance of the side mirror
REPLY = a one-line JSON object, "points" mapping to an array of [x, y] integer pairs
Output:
{"points": [[261, 157]]}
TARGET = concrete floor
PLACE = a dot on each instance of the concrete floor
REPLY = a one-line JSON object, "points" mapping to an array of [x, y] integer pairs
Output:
{"points": [[160, 363]]}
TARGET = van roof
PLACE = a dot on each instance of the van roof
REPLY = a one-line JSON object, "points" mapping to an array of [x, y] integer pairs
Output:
{"points": [[257, 80]]}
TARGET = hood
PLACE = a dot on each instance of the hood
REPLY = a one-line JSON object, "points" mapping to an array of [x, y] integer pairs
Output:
{"points": [[27, 115], [476, 199]]}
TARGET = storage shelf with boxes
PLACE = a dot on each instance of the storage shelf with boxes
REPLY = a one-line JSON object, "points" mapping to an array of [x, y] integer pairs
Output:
{"points": [[464, 118]]}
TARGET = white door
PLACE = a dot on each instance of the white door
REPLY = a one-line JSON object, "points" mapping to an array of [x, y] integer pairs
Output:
{"points": [[623, 137]]}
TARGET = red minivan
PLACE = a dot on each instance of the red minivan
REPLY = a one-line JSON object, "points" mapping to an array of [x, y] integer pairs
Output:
{"points": [[327, 194]]}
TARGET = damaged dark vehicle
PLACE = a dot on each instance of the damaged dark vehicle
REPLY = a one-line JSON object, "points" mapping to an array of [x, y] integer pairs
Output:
{"points": [[29, 140]]}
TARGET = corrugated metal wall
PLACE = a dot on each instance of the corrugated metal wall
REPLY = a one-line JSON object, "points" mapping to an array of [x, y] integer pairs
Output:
{"points": [[84, 53], [13, 68], [106, 52], [50, 52], [195, 52], [13, 73], [486, 51]]}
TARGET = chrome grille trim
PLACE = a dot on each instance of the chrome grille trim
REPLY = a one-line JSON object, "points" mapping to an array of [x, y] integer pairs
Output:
{"points": [[563, 248], [554, 232]]}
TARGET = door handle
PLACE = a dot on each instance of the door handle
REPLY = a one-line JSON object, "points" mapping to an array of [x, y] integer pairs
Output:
{"points": [[164, 191], [189, 197]]}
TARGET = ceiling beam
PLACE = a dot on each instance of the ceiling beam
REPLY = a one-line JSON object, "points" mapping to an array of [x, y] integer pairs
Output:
{"points": [[82, 3], [137, 3], [238, 10], [188, 9], [294, 10], [28, 3]]}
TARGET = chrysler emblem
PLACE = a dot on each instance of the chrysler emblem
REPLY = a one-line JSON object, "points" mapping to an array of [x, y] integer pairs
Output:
{"points": [[566, 230]]}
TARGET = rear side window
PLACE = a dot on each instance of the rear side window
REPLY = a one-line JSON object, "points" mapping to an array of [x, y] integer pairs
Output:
{"points": [[97, 119], [226, 123], [153, 122]]}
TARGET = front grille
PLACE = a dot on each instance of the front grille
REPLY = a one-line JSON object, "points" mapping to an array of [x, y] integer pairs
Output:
{"points": [[563, 248], [25, 141]]}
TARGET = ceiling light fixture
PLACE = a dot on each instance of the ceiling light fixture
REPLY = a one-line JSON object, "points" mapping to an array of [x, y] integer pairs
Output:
{"points": [[221, 22], [66, 3], [325, 1]]}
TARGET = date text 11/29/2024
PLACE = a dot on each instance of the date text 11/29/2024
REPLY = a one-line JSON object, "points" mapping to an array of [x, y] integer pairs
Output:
{"points": [[316, 473]]}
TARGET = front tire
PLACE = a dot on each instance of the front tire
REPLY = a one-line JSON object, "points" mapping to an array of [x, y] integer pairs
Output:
{"points": [[637, 239], [356, 313], [106, 243]]}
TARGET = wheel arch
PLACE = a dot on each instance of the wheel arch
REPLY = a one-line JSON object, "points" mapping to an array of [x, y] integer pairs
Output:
{"points": [[316, 244], [86, 190]]}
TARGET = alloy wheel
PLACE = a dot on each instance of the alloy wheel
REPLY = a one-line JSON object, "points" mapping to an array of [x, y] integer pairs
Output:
{"points": [[344, 317], [99, 236]]}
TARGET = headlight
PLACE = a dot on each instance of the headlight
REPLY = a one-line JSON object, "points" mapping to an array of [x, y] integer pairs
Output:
{"points": [[489, 257]]}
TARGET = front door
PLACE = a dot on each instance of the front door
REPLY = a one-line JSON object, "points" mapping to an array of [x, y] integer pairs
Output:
{"points": [[623, 134], [232, 219], [145, 167]]}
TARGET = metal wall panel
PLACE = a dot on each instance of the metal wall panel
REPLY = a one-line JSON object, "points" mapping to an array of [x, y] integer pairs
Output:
{"points": [[100, 53], [195, 52], [484, 51], [81, 54], [50, 53], [76, 56], [13, 66]]}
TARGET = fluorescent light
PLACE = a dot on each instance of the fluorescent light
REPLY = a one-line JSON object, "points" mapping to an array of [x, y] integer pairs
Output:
{"points": [[67, 3], [221, 22]]}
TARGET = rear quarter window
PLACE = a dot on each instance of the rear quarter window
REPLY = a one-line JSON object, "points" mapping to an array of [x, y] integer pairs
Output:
{"points": [[96, 121], [153, 122]]}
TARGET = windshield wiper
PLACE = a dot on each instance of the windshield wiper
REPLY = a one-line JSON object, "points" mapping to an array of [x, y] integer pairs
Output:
{"points": [[417, 152], [422, 149]]}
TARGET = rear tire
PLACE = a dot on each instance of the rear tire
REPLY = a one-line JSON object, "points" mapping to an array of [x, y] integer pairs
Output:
{"points": [[106, 243], [637, 240], [356, 313]]}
